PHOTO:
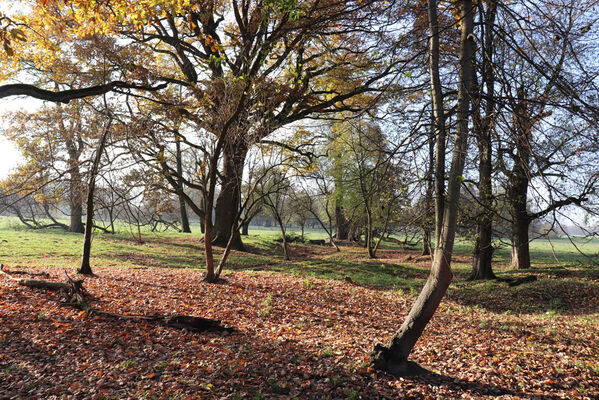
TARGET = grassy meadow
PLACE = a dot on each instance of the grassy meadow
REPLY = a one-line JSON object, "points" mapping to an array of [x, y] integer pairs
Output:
{"points": [[536, 340]]}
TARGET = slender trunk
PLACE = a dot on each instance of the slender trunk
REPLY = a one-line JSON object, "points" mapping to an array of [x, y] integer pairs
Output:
{"points": [[483, 250], [210, 274], [229, 198], [328, 230], [394, 357], [182, 208], [439, 118], [369, 240], [384, 230], [202, 223], [283, 232], [85, 267], [428, 197], [225, 256]]}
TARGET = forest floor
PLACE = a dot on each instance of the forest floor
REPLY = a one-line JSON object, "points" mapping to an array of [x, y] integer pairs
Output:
{"points": [[301, 329]]}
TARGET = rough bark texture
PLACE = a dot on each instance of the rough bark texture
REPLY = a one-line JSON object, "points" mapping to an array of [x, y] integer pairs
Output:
{"points": [[520, 241], [393, 357], [229, 198]]}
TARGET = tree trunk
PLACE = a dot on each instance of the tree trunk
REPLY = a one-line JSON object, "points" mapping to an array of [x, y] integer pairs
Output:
{"points": [[427, 217], [483, 249], [520, 242], [245, 228], [283, 232], [340, 224], [182, 209], [210, 273], [229, 198], [439, 119], [393, 358], [518, 183], [426, 242], [75, 189], [369, 234], [85, 268]]}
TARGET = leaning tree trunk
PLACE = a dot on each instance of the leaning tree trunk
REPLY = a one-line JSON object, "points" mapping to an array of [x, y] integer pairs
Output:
{"points": [[393, 357], [85, 267], [229, 198], [182, 208]]}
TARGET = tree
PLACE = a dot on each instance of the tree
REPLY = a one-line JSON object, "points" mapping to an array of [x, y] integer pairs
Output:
{"points": [[394, 356], [53, 140], [275, 59], [85, 267], [483, 126], [539, 91], [363, 153], [275, 192]]}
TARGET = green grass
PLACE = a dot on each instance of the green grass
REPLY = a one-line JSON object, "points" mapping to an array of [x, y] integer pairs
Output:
{"points": [[569, 285]]}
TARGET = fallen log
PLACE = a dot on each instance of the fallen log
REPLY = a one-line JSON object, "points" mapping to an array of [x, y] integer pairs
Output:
{"points": [[38, 283], [75, 297]]}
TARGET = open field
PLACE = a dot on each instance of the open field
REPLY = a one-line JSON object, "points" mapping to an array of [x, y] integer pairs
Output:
{"points": [[302, 328]]}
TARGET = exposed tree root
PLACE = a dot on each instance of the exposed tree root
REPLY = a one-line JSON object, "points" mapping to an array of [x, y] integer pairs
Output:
{"points": [[383, 359], [518, 281], [75, 297]]}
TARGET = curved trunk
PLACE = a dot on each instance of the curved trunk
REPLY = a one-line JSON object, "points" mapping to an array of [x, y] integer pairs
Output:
{"points": [[229, 198], [393, 357]]}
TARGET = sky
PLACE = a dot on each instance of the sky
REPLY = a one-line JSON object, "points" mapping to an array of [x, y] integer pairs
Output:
{"points": [[9, 155]]}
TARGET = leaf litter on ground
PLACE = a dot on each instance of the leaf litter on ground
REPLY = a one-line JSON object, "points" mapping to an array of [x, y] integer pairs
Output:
{"points": [[295, 337]]}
